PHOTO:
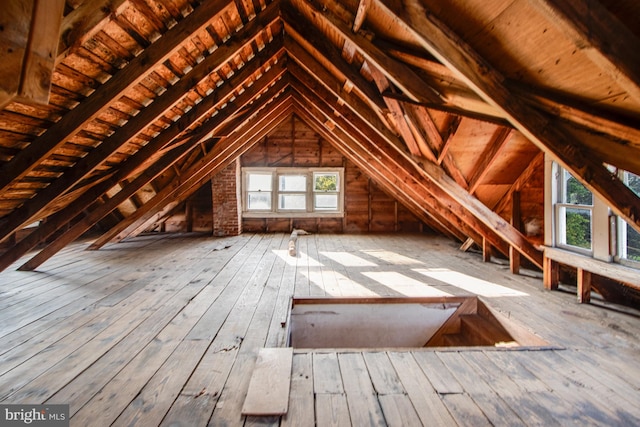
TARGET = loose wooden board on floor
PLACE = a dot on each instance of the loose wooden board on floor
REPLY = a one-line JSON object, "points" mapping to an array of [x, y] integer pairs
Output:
{"points": [[268, 392]]}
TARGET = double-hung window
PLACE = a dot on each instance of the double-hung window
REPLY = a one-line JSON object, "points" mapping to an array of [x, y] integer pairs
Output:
{"points": [[292, 192], [628, 237], [573, 212]]}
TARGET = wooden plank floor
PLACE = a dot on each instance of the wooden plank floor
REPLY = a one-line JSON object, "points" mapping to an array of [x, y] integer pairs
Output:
{"points": [[165, 330]]}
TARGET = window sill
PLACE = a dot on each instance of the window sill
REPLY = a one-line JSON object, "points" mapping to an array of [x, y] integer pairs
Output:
{"points": [[292, 214]]}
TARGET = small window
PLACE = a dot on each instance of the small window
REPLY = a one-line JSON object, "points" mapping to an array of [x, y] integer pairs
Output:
{"points": [[292, 192], [628, 237], [574, 212], [259, 192], [325, 190]]}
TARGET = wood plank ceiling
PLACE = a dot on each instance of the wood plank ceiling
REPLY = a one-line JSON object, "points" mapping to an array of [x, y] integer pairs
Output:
{"points": [[447, 105]]}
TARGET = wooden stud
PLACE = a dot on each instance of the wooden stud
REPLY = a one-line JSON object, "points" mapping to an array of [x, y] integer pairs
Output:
{"points": [[486, 250], [584, 285], [550, 274]]}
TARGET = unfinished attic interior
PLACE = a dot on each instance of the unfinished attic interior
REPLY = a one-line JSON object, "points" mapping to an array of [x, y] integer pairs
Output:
{"points": [[294, 212]]}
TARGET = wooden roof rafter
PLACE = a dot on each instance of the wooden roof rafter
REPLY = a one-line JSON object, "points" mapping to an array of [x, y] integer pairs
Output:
{"points": [[268, 59], [226, 150], [490, 84], [113, 89], [387, 167], [403, 77], [33, 207], [475, 212]]}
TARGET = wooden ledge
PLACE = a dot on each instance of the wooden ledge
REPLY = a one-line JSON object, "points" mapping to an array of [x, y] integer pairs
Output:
{"points": [[586, 266], [612, 270]]}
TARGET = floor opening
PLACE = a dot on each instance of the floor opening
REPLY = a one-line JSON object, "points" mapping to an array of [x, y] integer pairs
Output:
{"points": [[402, 322]]}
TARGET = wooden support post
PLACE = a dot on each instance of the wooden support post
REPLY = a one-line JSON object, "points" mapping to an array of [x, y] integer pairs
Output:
{"points": [[516, 222], [584, 286], [486, 250], [551, 274], [514, 260]]}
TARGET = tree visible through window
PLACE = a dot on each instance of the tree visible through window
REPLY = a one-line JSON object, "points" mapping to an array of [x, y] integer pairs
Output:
{"points": [[325, 189], [630, 238], [574, 213]]}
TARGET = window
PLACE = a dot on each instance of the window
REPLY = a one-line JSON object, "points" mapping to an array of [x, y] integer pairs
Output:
{"points": [[574, 212], [325, 191], [259, 191], [292, 192], [628, 237]]}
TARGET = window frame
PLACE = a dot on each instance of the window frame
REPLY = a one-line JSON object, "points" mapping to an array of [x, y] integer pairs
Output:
{"points": [[560, 205], [620, 243], [310, 211]]}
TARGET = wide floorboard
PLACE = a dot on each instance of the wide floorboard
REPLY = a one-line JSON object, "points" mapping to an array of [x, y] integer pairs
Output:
{"points": [[165, 330]]}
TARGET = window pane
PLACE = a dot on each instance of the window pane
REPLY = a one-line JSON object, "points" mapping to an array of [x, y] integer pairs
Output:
{"points": [[633, 182], [326, 202], [293, 182], [325, 181], [293, 202], [633, 243], [259, 182], [259, 200], [577, 230], [574, 192]]}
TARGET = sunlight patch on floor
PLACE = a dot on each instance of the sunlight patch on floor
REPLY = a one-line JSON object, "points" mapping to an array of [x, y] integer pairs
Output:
{"points": [[391, 257], [348, 259], [404, 284], [341, 287], [300, 259], [469, 283]]}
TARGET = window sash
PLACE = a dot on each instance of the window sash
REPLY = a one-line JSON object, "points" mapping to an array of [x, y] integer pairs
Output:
{"points": [[571, 220]]}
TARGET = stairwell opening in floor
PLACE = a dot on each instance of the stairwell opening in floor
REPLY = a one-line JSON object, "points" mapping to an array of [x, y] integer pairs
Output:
{"points": [[402, 322]]}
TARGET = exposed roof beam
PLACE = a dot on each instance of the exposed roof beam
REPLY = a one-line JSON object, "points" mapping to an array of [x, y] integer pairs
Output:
{"points": [[534, 166], [314, 42], [444, 158], [73, 121], [222, 151], [361, 14], [218, 124], [442, 187], [311, 66], [401, 75], [96, 214], [28, 35], [368, 164], [606, 40], [394, 166], [490, 153], [490, 84], [84, 22], [96, 157], [397, 115], [571, 110]]}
